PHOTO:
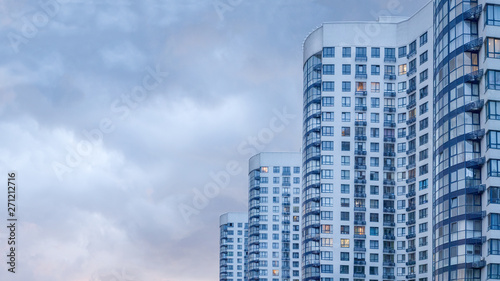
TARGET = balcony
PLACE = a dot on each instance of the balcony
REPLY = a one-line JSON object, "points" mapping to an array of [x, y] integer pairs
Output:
{"points": [[359, 195], [359, 152], [474, 106], [361, 58], [475, 163], [411, 166], [389, 196], [360, 123], [360, 236], [360, 209], [411, 180], [476, 240], [411, 151], [389, 59], [411, 89], [389, 237], [359, 275], [361, 93], [389, 223], [359, 167], [411, 105], [411, 262], [479, 215], [390, 124], [389, 168], [475, 135], [389, 182], [476, 189], [389, 139], [388, 250], [360, 108], [411, 120], [389, 276], [390, 154], [359, 261], [479, 264], [390, 94], [360, 138], [359, 249], [411, 72], [361, 76], [411, 54], [389, 263], [411, 135], [410, 249], [474, 45], [359, 222], [389, 109], [473, 14], [389, 210], [474, 77], [411, 194], [410, 222], [390, 76], [410, 208], [411, 276], [361, 181]]}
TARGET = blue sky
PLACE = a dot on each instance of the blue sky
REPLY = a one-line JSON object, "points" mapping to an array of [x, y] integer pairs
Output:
{"points": [[130, 124]]}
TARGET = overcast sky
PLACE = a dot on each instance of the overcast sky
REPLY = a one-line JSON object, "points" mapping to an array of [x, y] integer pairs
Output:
{"points": [[130, 124]]}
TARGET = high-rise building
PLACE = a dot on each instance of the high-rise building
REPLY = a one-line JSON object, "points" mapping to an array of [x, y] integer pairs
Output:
{"points": [[233, 241], [274, 217], [367, 150], [466, 131]]}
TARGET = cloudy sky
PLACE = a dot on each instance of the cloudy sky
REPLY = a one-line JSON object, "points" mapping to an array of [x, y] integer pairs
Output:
{"points": [[130, 124]]}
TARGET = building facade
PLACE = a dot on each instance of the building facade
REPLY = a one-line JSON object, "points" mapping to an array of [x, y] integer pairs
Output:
{"points": [[233, 241], [274, 217], [467, 84], [367, 150]]}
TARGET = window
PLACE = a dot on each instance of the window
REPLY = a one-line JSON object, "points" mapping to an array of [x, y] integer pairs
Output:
{"points": [[424, 92], [374, 162], [327, 101], [375, 69], [492, 15], [329, 52], [373, 244], [390, 53], [329, 86], [494, 221], [423, 39], [344, 216], [402, 102], [374, 132], [346, 117], [423, 184], [424, 124], [375, 102], [422, 213], [325, 242], [344, 269], [402, 51], [345, 174], [344, 256], [327, 174], [326, 268], [374, 147], [402, 69], [493, 110], [493, 80], [424, 108], [375, 52], [423, 139], [344, 188], [424, 75], [423, 154], [346, 52], [346, 146], [373, 257], [361, 52], [346, 69], [346, 86], [424, 57], [344, 202], [345, 160], [493, 269], [401, 86], [326, 215], [493, 168], [327, 116], [326, 188], [375, 118], [493, 139], [375, 87], [344, 243], [328, 69], [494, 247], [327, 145], [327, 131]]}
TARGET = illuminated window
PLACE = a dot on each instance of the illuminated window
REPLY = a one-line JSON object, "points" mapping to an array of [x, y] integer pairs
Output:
{"points": [[344, 243], [402, 69], [264, 169], [276, 272]]}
